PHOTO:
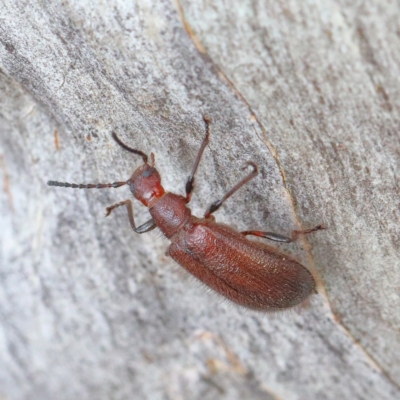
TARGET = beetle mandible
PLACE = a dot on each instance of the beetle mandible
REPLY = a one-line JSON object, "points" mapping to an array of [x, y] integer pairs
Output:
{"points": [[251, 274]]}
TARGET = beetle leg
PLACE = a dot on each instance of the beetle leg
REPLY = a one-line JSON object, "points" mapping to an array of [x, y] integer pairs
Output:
{"points": [[217, 204], [146, 227], [190, 182], [268, 235], [280, 238], [295, 234]]}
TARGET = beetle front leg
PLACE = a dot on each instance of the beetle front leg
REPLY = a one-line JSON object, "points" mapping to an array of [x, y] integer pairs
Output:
{"points": [[146, 227], [279, 238]]}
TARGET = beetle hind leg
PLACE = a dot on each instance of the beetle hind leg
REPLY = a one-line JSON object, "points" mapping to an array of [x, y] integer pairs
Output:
{"points": [[280, 238]]}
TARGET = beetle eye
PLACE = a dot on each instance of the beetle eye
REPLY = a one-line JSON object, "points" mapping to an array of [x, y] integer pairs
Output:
{"points": [[148, 172]]}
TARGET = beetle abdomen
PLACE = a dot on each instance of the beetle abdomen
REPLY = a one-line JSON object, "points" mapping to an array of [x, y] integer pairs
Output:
{"points": [[249, 273]]}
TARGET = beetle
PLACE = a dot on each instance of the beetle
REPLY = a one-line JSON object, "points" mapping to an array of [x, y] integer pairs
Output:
{"points": [[251, 274]]}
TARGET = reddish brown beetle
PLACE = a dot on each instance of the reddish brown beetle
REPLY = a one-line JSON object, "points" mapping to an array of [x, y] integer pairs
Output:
{"points": [[248, 273]]}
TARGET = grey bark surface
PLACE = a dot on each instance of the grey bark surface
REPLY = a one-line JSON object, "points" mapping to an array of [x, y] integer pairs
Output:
{"points": [[309, 91]]}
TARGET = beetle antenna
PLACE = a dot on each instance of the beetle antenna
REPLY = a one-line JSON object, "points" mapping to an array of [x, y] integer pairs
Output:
{"points": [[88, 185], [124, 146]]}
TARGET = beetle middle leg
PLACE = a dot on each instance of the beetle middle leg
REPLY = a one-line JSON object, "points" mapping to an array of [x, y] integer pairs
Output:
{"points": [[146, 227], [279, 238], [217, 204], [190, 181]]}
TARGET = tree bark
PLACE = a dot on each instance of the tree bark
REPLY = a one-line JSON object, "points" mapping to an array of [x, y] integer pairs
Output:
{"points": [[308, 91]]}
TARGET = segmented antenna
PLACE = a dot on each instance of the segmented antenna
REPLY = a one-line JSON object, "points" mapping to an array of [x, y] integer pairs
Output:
{"points": [[130, 149], [87, 185]]}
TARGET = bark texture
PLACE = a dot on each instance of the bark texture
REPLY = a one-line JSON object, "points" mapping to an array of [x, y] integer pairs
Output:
{"points": [[310, 91]]}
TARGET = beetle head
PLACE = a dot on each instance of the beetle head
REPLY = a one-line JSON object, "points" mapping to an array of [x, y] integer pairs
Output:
{"points": [[145, 184]]}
